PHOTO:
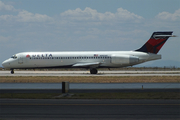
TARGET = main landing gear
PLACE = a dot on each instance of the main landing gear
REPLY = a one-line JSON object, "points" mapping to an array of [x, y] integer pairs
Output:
{"points": [[12, 71], [93, 71]]}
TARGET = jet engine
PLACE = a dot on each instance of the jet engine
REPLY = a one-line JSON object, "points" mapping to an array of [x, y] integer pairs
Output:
{"points": [[124, 59]]}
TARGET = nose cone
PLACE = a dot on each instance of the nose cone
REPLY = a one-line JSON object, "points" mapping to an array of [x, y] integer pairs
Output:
{"points": [[6, 64]]}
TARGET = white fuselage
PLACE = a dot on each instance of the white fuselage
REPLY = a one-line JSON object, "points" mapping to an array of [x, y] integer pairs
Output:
{"points": [[87, 59]]}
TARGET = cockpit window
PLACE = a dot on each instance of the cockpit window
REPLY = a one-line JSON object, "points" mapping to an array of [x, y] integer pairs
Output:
{"points": [[14, 57]]}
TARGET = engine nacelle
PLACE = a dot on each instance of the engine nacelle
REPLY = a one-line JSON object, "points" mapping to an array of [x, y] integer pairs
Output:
{"points": [[124, 59]]}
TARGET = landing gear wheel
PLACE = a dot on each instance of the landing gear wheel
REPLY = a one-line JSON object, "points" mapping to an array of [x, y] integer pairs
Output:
{"points": [[12, 71], [93, 71]]}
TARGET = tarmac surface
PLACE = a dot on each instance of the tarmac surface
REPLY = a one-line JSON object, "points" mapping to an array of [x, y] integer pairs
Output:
{"points": [[87, 73], [88, 109]]}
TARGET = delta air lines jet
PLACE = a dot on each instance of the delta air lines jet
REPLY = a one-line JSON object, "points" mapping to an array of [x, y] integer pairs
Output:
{"points": [[90, 59]]}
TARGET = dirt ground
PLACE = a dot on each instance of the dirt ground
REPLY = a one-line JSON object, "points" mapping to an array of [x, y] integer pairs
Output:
{"points": [[90, 79]]}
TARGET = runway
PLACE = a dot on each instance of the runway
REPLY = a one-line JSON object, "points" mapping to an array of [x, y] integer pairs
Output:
{"points": [[106, 109], [87, 73]]}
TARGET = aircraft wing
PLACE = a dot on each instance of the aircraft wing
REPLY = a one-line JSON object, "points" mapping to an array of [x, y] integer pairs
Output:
{"points": [[93, 64]]}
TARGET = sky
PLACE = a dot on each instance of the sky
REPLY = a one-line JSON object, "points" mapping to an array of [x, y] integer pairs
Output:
{"points": [[88, 25]]}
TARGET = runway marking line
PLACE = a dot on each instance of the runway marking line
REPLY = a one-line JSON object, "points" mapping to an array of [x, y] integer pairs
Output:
{"points": [[90, 104]]}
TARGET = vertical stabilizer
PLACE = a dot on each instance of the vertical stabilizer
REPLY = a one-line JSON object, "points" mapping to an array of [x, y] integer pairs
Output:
{"points": [[154, 44]]}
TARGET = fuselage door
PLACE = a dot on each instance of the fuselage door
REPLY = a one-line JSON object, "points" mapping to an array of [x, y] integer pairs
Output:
{"points": [[20, 60]]}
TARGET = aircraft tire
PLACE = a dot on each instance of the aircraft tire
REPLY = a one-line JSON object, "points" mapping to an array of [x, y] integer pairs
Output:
{"points": [[93, 71], [12, 71]]}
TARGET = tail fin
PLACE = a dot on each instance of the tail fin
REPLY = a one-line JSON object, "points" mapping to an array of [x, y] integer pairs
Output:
{"points": [[154, 44]]}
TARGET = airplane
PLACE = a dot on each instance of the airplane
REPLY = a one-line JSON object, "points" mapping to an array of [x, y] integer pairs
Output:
{"points": [[90, 59]]}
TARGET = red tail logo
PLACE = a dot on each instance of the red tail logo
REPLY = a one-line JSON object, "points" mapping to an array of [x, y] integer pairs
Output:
{"points": [[154, 44]]}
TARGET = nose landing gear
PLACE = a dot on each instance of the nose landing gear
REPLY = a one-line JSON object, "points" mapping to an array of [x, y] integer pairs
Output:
{"points": [[12, 71]]}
